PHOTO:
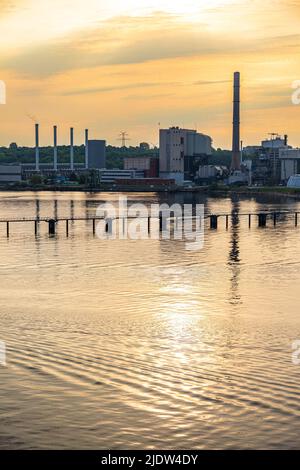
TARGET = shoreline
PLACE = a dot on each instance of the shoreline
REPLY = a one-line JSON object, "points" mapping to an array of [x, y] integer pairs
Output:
{"points": [[222, 192]]}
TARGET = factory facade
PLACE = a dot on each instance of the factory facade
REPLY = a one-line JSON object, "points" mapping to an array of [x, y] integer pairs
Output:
{"points": [[181, 151]]}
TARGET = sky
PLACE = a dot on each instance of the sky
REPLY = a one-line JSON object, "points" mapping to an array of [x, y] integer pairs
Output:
{"points": [[135, 65]]}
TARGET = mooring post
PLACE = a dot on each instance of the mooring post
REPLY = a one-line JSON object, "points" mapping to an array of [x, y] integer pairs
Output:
{"points": [[94, 226], [213, 222], [274, 218], [52, 226], [149, 224], [7, 229], [296, 219], [160, 222], [35, 227], [108, 225], [249, 219], [227, 222], [262, 220], [67, 227]]}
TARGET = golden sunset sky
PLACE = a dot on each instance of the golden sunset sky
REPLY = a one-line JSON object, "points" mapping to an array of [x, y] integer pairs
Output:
{"points": [[128, 65]]}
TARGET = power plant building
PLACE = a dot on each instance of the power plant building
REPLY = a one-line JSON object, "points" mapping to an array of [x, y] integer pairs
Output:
{"points": [[290, 163], [149, 165], [179, 149], [96, 154]]}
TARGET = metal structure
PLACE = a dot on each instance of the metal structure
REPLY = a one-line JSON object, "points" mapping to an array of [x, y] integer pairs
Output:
{"points": [[124, 137]]}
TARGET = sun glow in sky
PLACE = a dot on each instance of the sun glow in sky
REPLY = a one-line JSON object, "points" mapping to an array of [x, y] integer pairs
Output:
{"points": [[129, 65]]}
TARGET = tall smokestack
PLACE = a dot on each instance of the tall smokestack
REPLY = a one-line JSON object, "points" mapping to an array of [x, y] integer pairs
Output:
{"points": [[236, 153], [55, 147], [86, 148], [72, 148], [37, 149]]}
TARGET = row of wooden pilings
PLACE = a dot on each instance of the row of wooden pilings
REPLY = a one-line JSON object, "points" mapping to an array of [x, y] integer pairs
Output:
{"points": [[213, 221], [261, 219]]}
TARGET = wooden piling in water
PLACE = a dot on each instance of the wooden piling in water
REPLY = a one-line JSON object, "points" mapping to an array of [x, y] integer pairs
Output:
{"points": [[262, 220], [213, 222], [52, 226], [160, 222]]}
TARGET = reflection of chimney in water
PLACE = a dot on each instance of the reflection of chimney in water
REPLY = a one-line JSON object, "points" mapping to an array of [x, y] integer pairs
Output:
{"points": [[236, 152]]}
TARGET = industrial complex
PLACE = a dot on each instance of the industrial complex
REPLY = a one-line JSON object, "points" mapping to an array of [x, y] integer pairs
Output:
{"points": [[184, 159]]}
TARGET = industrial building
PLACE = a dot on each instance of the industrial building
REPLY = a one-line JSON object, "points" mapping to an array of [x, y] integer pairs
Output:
{"points": [[149, 165], [112, 176], [96, 154], [209, 173], [10, 173], [267, 159], [181, 152], [290, 163]]}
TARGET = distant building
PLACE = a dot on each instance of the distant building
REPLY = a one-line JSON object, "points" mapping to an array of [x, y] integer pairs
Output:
{"points": [[212, 172], [290, 163], [96, 154], [181, 151], [112, 176], [149, 165], [46, 169], [10, 173], [267, 164]]}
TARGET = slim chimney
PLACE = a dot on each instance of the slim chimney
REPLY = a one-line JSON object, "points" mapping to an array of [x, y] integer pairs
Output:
{"points": [[72, 148], [37, 149], [55, 147], [86, 148], [236, 153]]}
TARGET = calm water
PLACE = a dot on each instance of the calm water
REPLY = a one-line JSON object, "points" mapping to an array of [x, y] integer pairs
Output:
{"points": [[142, 344]]}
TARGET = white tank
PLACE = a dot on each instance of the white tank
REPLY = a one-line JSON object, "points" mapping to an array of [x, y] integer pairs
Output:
{"points": [[294, 181]]}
